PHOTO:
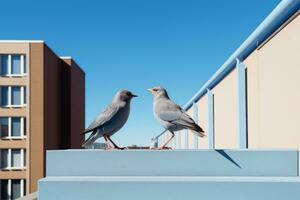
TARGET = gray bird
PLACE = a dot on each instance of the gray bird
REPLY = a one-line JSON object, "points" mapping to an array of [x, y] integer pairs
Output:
{"points": [[171, 116], [110, 120]]}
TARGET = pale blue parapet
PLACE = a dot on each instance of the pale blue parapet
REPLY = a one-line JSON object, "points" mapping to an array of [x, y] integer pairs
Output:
{"points": [[171, 175], [170, 188], [172, 163]]}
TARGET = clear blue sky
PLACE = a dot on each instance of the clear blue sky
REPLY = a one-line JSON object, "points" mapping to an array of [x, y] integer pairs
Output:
{"points": [[136, 45]]}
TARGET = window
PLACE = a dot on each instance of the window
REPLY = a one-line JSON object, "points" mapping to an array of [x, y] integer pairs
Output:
{"points": [[15, 189], [4, 158], [12, 65], [13, 96], [4, 189], [4, 127], [12, 188], [16, 158], [4, 65], [4, 96], [12, 127], [16, 64], [16, 127], [13, 159]]}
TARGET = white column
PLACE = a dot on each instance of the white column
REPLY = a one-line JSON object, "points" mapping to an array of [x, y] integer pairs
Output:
{"points": [[22, 96], [22, 64], [22, 187], [9, 96], [9, 159], [9, 126], [9, 66], [9, 188], [22, 158], [22, 127]]}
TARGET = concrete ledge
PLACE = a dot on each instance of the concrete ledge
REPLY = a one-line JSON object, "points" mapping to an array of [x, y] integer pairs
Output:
{"points": [[169, 188], [172, 163]]}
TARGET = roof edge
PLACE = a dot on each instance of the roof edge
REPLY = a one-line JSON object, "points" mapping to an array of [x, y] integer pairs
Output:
{"points": [[66, 57], [22, 41]]}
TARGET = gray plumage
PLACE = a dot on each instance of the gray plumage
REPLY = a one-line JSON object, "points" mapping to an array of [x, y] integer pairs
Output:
{"points": [[171, 116], [111, 119]]}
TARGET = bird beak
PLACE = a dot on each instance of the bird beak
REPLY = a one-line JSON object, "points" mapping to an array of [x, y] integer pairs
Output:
{"points": [[134, 95], [150, 90]]}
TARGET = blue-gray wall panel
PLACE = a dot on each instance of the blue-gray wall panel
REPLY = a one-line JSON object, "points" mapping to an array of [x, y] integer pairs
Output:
{"points": [[226, 188], [172, 163]]}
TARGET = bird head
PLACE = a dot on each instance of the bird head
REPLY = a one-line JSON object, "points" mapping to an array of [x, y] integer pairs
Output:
{"points": [[158, 92], [124, 95]]}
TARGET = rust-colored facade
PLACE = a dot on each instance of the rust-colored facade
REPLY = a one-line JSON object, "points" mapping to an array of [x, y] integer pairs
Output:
{"points": [[49, 115]]}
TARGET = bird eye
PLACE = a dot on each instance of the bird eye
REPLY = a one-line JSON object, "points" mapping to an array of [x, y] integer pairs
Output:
{"points": [[128, 93], [155, 90]]}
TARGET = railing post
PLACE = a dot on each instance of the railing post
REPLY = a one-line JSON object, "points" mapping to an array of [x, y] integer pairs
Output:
{"points": [[195, 108], [179, 139], [175, 141], [155, 143], [211, 124], [186, 138], [241, 103]]}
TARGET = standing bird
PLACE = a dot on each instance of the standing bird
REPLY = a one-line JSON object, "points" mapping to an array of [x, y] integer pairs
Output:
{"points": [[171, 116], [110, 120]]}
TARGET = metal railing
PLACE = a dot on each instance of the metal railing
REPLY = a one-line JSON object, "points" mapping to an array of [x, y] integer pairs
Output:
{"points": [[283, 11]]}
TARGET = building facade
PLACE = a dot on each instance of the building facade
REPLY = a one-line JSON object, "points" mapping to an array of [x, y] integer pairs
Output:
{"points": [[252, 101], [42, 99]]}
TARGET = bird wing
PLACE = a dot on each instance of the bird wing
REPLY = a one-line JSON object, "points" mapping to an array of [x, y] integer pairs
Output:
{"points": [[104, 117], [171, 112]]}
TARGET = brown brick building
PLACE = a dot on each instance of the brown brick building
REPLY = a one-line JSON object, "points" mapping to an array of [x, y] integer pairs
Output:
{"points": [[42, 107]]}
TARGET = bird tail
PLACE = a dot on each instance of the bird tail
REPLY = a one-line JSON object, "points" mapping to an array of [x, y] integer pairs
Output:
{"points": [[86, 131], [91, 139], [198, 130], [200, 134]]}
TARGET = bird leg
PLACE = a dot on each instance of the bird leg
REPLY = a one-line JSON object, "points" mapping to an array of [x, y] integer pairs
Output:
{"points": [[109, 146], [115, 146], [167, 142]]}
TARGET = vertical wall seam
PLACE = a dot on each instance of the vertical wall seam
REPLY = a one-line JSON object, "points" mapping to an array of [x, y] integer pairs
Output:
{"points": [[211, 128]]}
